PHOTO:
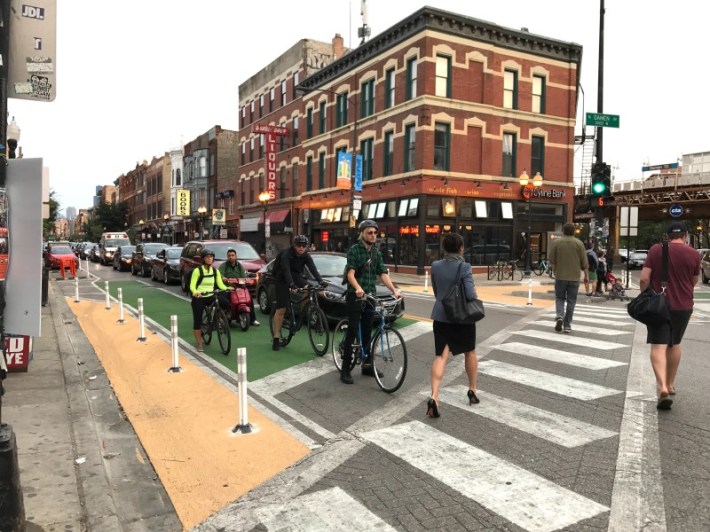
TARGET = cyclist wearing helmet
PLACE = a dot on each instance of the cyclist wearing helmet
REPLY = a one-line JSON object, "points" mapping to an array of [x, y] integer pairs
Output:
{"points": [[363, 266], [232, 269], [288, 275], [204, 280]]}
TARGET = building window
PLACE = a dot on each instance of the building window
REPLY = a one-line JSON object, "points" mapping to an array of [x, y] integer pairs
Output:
{"points": [[389, 88], [261, 106], [251, 150], [244, 153], [294, 132], [244, 192], [178, 174], [367, 98], [283, 93], [510, 89], [251, 111], [389, 153], [251, 190], [538, 94], [321, 170], [282, 139], [309, 123], [443, 76], [411, 78], [509, 147], [441, 146], [409, 147], [294, 183], [341, 110], [321, 118], [282, 182], [309, 173], [261, 146], [537, 156], [272, 96], [366, 150]]}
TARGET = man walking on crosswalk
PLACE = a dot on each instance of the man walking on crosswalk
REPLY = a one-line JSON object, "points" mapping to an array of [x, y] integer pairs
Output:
{"points": [[568, 259]]}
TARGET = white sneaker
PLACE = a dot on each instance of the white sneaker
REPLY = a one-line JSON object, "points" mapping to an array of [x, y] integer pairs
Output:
{"points": [[255, 323]]}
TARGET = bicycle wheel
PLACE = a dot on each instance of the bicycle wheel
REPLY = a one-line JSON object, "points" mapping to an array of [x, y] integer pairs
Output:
{"points": [[540, 268], [519, 273], [285, 334], [389, 358], [341, 329], [507, 272], [318, 332], [492, 271], [206, 326], [224, 335]]}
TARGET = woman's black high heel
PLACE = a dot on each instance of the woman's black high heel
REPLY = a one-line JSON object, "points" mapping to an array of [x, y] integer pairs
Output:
{"points": [[472, 399], [431, 409]]}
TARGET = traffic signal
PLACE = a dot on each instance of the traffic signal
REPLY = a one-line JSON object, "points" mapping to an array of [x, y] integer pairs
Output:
{"points": [[601, 180]]}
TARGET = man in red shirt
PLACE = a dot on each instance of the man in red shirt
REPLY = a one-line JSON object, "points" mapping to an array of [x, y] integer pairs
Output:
{"points": [[683, 274]]}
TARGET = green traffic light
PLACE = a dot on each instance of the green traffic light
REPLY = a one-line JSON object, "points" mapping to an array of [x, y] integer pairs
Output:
{"points": [[598, 188]]}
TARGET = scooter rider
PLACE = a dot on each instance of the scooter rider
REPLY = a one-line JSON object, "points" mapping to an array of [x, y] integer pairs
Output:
{"points": [[232, 270], [363, 266]]}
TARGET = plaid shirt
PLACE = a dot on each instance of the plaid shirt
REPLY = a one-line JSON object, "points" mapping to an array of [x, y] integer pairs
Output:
{"points": [[358, 256]]}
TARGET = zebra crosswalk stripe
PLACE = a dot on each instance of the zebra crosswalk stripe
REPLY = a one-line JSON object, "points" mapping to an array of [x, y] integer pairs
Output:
{"points": [[556, 428], [584, 391], [566, 339], [608, 321], [520, 496], [587, 329], [327, 510], [559, 356]]}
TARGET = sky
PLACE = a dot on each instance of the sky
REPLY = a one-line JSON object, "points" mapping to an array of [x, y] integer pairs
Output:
{"points": [[138, 77]]}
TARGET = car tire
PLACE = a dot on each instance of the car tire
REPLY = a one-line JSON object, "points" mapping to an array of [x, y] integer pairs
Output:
{"points": [[262, 297], [183, 285]]}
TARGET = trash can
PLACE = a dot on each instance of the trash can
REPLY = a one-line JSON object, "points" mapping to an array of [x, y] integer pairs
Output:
{"points": [[45, 286]]}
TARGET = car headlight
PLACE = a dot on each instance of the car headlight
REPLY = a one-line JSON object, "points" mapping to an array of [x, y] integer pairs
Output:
{"points": [[332, 296]]}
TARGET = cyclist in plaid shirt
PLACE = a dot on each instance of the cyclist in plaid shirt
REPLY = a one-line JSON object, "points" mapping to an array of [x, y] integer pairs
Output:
{"points": [[363, 266]]}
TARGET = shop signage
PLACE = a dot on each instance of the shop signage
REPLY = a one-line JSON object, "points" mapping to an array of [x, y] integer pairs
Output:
{"points": [[219, 216], [17, 352], [343, 175], [529, 191], [270, 133], [183, 202], [676, 210]]}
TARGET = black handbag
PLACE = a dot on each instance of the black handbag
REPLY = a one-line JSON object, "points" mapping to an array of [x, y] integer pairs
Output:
{"points": [[651, 307], [457, 308]]}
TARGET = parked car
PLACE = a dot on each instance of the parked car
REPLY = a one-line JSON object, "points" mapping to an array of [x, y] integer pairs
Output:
{"points": [[55, 252], [123, 257], [95, 254], [705, 267], [637, 257], [165, 266], [143, 255], [85, 250], [332, 300], [190, 258]]}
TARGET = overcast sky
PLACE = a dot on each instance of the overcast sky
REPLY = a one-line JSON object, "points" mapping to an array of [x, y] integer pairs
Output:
{"points": [[138, 77]]}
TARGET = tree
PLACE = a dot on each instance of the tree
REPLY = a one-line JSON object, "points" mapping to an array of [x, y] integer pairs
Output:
{"points": [[111, 216], [48, 223]]}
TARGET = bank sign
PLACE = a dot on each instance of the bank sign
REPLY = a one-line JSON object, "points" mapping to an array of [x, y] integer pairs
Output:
{"points": [[530, 192]]}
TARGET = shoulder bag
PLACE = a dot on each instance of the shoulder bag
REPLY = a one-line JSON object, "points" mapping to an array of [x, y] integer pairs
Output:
{"points": [[457, 308], [651, 307]]}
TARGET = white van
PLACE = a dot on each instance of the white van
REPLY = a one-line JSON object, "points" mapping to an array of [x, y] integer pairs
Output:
{"points": [[108, 244]]}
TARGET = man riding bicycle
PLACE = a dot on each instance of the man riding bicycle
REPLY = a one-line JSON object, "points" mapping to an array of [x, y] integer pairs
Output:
{"points": [[231, 269], [364, 265], [204, 280], [288, 276]]}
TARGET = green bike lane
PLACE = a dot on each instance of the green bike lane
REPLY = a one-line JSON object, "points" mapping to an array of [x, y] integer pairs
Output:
{"points": [[160, 304]]}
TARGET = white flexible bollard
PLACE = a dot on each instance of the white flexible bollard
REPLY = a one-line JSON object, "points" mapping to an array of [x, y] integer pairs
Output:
{"points": [[120, 305], [244, 426], [76, 289], [174, 344], [426, 281], [141, 321], [88, 273], [530, 290], [108, 296]]}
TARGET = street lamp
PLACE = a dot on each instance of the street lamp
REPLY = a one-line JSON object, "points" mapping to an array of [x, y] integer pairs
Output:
{"points": [[166, 219], [202, 212], [140, 223], [13, 138], [264, 198], [528, 194]]}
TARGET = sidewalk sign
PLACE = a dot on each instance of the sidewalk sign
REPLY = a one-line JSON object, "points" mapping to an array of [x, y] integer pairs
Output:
{"points": [[17, 352]]}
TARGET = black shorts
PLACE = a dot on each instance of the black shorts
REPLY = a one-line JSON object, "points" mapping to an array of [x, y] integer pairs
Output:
{"points": [[283, 293], [671, 333]]}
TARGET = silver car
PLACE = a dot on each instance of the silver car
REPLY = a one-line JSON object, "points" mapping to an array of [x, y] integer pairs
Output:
{"points": [[637, 258]]}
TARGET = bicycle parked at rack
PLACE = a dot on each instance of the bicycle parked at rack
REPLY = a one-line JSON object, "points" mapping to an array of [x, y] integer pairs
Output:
{"points": [[389, 352], [503, 269], [544, 266], [215, 319], [306, 311]]}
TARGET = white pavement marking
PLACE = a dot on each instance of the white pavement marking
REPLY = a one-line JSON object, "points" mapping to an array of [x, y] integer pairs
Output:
{"points": [[586, 328], [523, 498], [597, 310], [569, 339], [559, 356], [584, 391], [579, 316], [323, 511], [637, 501], [556, 428]]}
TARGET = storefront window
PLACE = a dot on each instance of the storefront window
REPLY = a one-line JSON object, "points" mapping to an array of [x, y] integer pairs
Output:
{"points": [[433, 244], [408, 250], [387, 242], [485, 244]]}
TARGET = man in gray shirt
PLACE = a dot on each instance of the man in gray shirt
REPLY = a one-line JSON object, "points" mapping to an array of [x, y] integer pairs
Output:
{"points": [[568, 258]]}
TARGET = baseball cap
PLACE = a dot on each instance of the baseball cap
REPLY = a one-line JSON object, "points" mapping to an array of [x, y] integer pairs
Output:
{"points": [[677, 228]]}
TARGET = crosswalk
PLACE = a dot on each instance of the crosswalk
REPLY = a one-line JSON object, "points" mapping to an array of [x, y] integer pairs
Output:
{"points": [[570, 368]]}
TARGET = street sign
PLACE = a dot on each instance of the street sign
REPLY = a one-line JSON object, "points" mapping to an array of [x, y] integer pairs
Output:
{"points": [[676, 210], [602, 120], [668, 166]]}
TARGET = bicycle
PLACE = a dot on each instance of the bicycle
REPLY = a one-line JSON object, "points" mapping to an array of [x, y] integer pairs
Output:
{"points": [[389, 352], [305, 310], [544, 267], [215, 319], [509, 270]]}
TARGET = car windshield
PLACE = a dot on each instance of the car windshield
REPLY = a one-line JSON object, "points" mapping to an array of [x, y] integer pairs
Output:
{"points": [[152, 248], [61, 250], [115, 242], [127, 250], [174, 253], [330, 265], [244, 250]]}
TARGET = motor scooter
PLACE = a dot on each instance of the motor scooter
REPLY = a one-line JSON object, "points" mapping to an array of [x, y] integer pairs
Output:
{"points": [[240, 302]]}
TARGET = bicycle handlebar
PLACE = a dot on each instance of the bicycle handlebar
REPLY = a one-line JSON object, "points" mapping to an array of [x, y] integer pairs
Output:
{"points": [[213, 292]]}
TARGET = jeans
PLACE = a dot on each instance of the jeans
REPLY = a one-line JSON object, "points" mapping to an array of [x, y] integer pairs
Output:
{"points": [[565, 292], [357, 315]]}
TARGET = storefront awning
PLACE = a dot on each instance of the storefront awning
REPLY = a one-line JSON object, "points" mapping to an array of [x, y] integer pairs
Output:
{"points": [[279, 220]]}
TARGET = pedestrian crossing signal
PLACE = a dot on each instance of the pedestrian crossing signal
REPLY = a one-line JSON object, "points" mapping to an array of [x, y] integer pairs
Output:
{"points": [[600, 202]]}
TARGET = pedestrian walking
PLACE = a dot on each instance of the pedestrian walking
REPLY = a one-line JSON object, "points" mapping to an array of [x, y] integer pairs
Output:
{"points": [[593, 261], [569, 261], [601, 273], [452, 338], [683, 274]]}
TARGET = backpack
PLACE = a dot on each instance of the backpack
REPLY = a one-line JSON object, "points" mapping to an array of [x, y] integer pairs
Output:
{"points": [[593, 263], [201, 276]]}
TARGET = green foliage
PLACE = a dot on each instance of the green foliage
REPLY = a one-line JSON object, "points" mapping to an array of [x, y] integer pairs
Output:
{"points": [[111, 216], [48, 223]]}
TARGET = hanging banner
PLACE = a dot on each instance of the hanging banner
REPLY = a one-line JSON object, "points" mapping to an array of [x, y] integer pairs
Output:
{"points": [[219, 216], [183, 202], [358, 173], [343, 174], [270, 134]]}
